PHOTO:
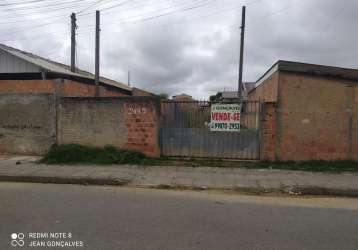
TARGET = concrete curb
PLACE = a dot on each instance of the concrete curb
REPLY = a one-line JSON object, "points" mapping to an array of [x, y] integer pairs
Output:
{"points": [[288, 190], [65, 180], [309, 190]]}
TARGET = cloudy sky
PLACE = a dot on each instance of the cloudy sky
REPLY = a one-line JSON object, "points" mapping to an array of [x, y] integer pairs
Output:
{"points": [[185, 46]]}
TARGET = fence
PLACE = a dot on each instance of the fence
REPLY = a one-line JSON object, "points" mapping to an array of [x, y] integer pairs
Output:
{"points": [[31, 123], [185, 132]]}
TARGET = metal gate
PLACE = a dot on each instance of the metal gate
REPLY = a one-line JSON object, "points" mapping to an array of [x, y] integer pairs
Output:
{"points": [[185, 132]]}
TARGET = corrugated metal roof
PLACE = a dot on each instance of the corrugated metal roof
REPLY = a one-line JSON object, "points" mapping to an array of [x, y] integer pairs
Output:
{"points": [[52, 66]]}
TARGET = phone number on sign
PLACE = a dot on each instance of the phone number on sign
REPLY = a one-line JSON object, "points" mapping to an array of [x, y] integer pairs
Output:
{"points": [[225, 126]]}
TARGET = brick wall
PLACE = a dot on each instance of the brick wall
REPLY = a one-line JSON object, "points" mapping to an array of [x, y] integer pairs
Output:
{"points": [[314, 118], [128, 123], [72, 88], [142, 121], [268, 132], [67, 88], [267, 91], [26, 86], [354, 138], [141, 92]]}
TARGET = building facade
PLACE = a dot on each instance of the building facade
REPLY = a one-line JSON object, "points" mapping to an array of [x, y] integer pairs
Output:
{"points": [[22, 72], [311, 112]]}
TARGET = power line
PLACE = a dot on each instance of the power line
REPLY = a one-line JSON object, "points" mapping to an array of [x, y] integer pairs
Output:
{"points": [[127, 19], [108, 8], [200, 3], [23, 2], [143, 19], [53, 4], [32, 27], [38, 10], [181, 21], [34, 19], [90, 6]]}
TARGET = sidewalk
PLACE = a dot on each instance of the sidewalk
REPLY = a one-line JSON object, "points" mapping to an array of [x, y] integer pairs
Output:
{"points": [[24, 169]]}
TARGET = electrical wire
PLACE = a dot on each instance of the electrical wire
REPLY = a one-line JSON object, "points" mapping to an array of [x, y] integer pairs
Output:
{"points": [[90, 6]]}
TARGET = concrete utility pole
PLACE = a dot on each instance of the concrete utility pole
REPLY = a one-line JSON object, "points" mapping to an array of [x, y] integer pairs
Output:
{"points": [[97, 53], [129, 78], [73, 42], [241, 51]]}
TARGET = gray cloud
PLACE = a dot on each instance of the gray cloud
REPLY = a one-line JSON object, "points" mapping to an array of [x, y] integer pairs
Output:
{"points": [[196, 51]]}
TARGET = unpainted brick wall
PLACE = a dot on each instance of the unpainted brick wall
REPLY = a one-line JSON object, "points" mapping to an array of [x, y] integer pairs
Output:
{"points": [[268, 132], [314, 118], [266, 91], [354, 138], [71, 88], [26, 86], [67, 88], [142, 123], [27, 123]]}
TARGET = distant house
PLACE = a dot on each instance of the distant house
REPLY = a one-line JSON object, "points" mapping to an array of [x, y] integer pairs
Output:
{"points": [[23, 72], [182, 98], [232, 96]]}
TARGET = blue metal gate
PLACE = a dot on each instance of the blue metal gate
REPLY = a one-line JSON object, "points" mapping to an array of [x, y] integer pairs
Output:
{"points": [[185, 132]]}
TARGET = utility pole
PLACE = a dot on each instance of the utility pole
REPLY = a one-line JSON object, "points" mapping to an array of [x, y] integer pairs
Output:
{"points": [[73, 42], [129, 78], [241, 51], [97, 53]]}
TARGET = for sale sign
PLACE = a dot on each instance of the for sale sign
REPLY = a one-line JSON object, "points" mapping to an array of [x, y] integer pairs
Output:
{"points": [[225, 117]]}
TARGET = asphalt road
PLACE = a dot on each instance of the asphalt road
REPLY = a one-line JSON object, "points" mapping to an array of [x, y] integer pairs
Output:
{"points": [[124, 218]]}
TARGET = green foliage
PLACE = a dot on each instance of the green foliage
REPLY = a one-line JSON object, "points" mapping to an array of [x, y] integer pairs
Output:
{"points": [[217, 97], [73, 153], [163, 96]]}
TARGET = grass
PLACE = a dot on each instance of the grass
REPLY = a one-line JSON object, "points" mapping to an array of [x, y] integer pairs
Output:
{"points": [[77, 154], [73, 153]]}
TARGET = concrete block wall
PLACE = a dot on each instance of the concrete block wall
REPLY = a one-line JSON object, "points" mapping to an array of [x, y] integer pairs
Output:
{"points": [[31, 123], [127, 123], [91, 121], [27, 123]]}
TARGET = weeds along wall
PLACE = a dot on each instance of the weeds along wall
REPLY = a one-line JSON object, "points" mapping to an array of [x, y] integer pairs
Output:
{"points": [[31, 123]]}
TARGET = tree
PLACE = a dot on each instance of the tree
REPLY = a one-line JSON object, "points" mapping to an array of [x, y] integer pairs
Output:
{"points": [[163, 96], [216, 98]]}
